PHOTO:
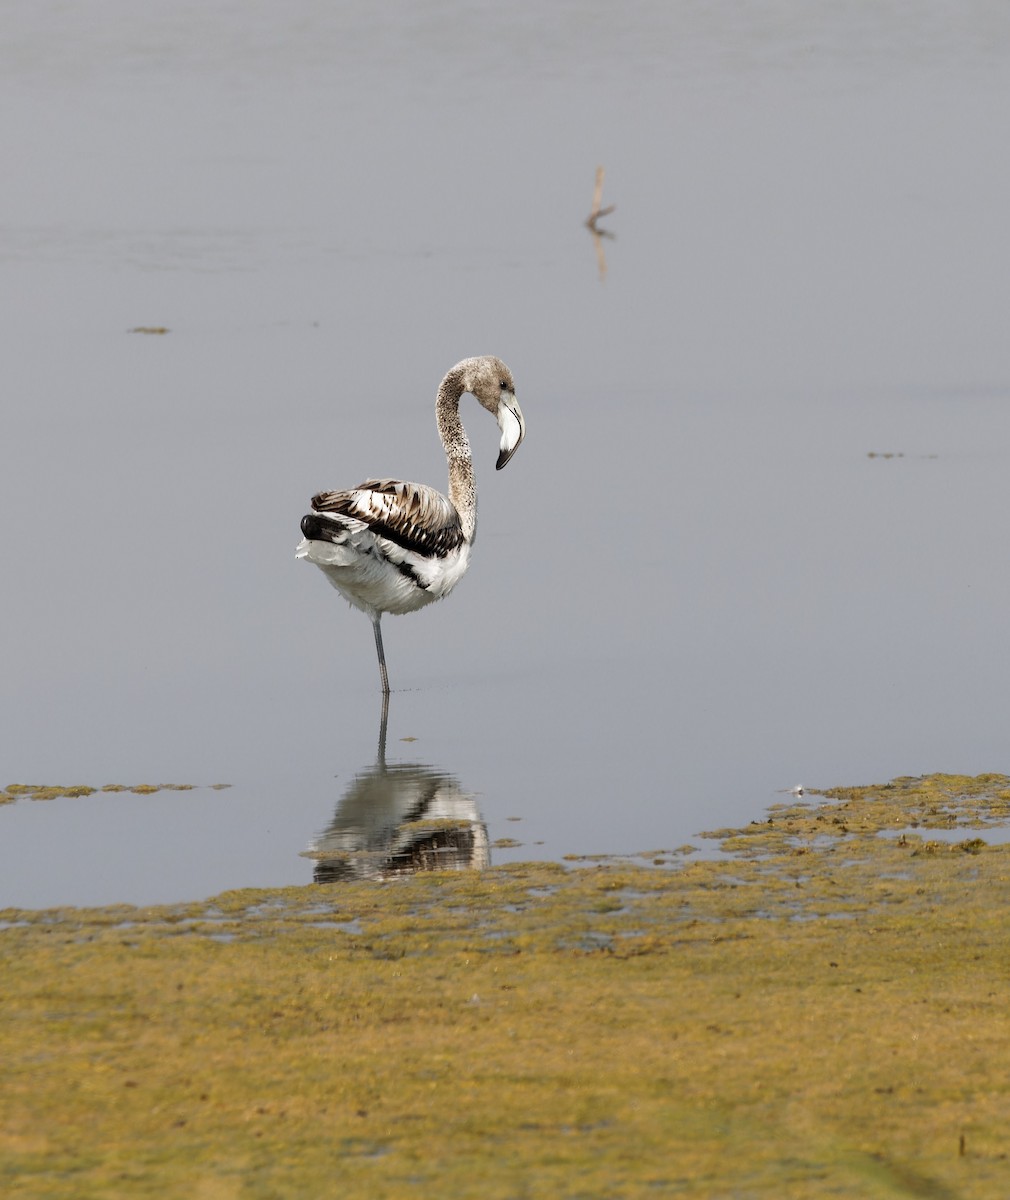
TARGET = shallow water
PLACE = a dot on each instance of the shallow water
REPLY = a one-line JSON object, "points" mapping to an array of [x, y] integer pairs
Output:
{"points": [[755, 536]]}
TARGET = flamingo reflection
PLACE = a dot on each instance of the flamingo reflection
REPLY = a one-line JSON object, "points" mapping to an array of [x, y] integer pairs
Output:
{"points": [[399, 818]]}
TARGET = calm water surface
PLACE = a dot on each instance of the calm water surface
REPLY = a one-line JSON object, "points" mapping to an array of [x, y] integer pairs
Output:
{"points": [[756, 535]]}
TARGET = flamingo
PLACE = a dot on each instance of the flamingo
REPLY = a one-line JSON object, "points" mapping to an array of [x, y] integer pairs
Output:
{"points": [[392, 547]]}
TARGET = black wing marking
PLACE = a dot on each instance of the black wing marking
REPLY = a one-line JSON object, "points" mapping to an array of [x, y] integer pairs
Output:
{"points": [[409, 515]]}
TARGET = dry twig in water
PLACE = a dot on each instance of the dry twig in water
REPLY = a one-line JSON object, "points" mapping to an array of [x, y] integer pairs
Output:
{"points": [[591, 224], [597, 211]]}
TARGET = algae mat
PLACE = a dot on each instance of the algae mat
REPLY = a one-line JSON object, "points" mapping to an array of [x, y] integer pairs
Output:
{"points": [[821, 1012]]}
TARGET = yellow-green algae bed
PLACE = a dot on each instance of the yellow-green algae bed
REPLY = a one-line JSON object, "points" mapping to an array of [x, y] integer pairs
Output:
{"points": [[33, 791], [821, 1011]]}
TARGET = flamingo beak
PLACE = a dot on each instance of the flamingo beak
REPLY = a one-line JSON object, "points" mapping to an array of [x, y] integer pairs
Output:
{"points": [[512, 426]]}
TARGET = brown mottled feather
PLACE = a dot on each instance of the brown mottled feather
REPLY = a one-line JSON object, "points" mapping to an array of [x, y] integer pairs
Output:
{"points": [[411, 515]]}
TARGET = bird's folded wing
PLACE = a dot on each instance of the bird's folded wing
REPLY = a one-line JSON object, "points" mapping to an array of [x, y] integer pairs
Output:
{"points": [[409, 515]]}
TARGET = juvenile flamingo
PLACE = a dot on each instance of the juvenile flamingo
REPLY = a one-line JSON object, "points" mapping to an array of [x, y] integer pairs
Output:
{"points": [[393, 547]]}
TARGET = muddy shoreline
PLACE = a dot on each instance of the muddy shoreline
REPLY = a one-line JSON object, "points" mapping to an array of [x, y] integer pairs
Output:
{"points": [[821, 1011]]}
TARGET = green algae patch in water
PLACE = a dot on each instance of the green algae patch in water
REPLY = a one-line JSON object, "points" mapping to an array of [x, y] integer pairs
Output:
{"points": [[820, 1012], [29, 791]]}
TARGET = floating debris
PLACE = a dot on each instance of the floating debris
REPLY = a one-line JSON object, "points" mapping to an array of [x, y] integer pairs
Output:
{"points": [[591, 224], [596, 212], [35, 791]]}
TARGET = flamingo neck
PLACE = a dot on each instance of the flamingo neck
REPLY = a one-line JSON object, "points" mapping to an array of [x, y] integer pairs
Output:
{"points": [[462, 485]]}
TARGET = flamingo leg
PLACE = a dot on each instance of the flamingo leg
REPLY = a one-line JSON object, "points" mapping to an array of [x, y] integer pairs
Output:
{"points": [[383, 723], [381, 653]]}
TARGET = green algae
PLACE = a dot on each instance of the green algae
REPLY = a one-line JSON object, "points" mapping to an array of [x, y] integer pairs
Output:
{"points": [[31, 791], [819, 1012]]}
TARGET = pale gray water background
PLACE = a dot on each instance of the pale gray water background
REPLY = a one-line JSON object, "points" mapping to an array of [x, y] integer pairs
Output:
{"points": [[692, 586]]}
